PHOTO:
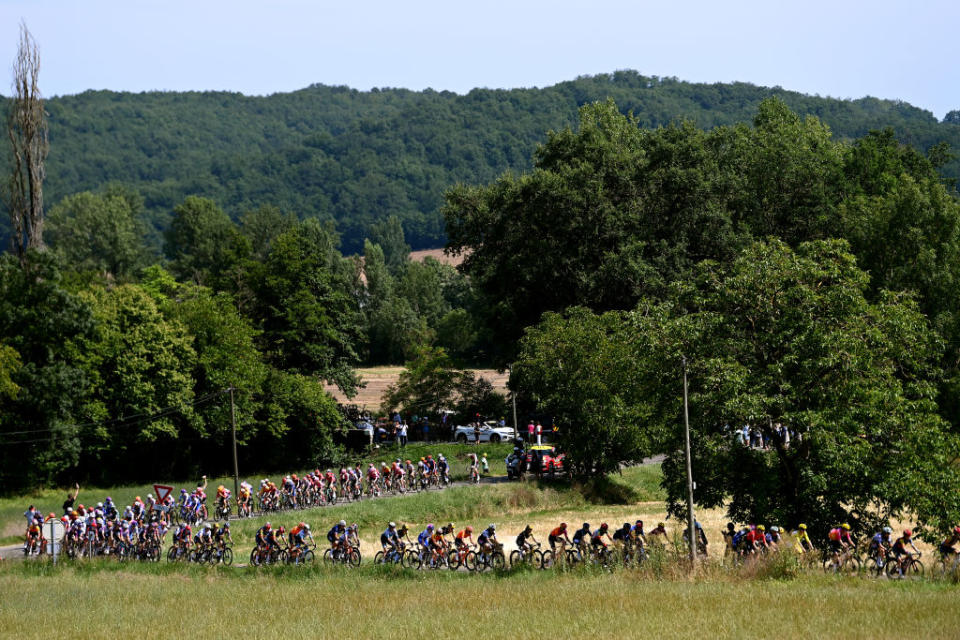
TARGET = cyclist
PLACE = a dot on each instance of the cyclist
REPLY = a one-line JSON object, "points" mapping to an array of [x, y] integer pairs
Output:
{"points": [[581, 535], [658, 535], [597, 539], [351, 539], [880, 545], [756, 539], [390, 541], [523, 543], [372, 476], [947, 548], [488, 538], [448, 530], [484, 465], [474, 467], [443, 467], [636, 532], [336, 536], [463, 537], [622, 535], [438, 546], [840, 541], [402, 535], [900, 552], [802, 542], [424, 538], [298, 536], [701, 538], [559, 534], [264, 536], [728, 534], [773, 537], [222, 536]]}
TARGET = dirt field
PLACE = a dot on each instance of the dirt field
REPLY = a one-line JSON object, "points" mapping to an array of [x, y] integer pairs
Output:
{"points": [[377, 379], [436, 254]]}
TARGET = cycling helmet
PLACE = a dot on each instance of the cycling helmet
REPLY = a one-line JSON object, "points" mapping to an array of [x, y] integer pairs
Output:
{"points": [[268, 526], [303, 524], [184, 490], [603, 527], [586, 525], [52, 515], [563, 525], [397, 461], [307, 527], [280, 529], [149, 497], [887, 530], [493, 527], [108, 499], [845, 526], [408, 462], [529, 528], [137, 499], [697, 525], [226, 525], [907, 533], [206, 526], [100, 505], [775, 529], [342, 523], [469, 529], [626, 525], [430, 527], [392, 525], [760, 527], [802, 527]]}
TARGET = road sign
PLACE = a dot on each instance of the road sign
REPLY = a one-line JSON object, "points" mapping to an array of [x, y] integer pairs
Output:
{"points": [[162, 492], [56, 531]]}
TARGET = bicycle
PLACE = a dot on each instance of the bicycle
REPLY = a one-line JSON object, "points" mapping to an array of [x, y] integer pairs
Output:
{"points": [[945, 566], [393, 556], [267, 555], [532, 556], [847, 563], [491, 560], [909, 567], [349, 556], [298, 556]]}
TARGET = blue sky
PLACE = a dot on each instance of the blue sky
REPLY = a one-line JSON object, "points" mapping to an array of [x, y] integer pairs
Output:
{"points": [[894, 50]]}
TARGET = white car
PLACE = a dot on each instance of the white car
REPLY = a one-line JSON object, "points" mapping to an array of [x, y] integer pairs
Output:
{"points": [[489, 432]]}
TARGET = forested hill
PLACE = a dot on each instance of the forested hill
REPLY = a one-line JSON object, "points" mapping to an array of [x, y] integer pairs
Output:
{"points": [[357, 157]]}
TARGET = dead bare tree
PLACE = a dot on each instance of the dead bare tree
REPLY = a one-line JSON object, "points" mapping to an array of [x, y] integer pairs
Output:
{"points": [[27, 130]]}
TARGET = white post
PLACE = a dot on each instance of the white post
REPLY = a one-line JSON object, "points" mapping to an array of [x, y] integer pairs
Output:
{"points": [[53, 543]]}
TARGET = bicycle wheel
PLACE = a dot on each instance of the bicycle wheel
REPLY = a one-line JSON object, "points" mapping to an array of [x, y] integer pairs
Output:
{"points": [[354, 558], [172, 554], [378, 558], [546, 559], [308, 557], [453, 560], [497, 561], [411, 559], [254, 559], [873, 567], [328, 557], [227, 557], [851, 566], [537, 557], [470, 561], [515, 558]]}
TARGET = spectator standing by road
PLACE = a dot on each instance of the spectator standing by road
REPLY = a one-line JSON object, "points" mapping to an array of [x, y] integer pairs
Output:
{"points": [[402, 434], [476, 433], [530, 430], [68, 503]]}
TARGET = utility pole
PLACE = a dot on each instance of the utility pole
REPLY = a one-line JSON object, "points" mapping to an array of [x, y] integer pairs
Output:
{"points": [[513, 398], [686, 432], [233, 430]]}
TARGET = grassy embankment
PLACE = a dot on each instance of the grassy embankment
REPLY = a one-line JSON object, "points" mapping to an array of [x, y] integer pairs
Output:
{"points": [[12, 523], [380, 602]]}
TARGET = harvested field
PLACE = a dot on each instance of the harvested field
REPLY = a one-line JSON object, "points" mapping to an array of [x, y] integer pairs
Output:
{"points": [[377, 379]]}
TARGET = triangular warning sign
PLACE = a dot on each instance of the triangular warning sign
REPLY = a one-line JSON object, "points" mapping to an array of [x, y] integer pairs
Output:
{"points": [[162, 491]]}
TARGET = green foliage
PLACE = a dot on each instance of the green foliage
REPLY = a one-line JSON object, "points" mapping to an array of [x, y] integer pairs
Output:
{"points": [[389, 235], [9, 365], [101, 233], [789, 337], [359, 157], [40, 320], [200, 240], [580, 368]]}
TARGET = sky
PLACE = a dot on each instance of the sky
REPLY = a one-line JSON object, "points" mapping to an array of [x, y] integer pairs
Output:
{"points": [[844, 49]]}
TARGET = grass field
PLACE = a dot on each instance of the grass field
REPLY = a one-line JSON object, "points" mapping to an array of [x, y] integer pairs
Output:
{"points": [[163, 602]]}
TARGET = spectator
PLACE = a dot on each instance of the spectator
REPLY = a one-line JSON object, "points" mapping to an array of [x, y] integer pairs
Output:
{"points": [[530, 430], [426, 430], [476, 433], [402, 434], [68, 503]]}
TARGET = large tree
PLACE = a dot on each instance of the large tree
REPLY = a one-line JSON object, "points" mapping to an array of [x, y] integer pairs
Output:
{"points": [[27, 132], [788, 339]]}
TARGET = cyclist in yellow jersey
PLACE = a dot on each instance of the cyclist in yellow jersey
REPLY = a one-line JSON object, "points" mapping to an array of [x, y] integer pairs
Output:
{"points": [[801, 540]]}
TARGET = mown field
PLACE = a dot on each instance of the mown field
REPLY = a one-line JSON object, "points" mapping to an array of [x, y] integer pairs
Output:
{"points": [[12, 523], [162, 601]]}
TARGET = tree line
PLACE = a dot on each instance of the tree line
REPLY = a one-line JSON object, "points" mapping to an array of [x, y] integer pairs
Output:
{"points": [[808, 285], [359, 157]]}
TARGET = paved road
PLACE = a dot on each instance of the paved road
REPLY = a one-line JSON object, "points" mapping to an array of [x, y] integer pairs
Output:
{"points": [[15, 551]]}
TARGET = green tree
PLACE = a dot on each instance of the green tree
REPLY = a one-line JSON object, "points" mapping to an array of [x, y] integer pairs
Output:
{"points": [[389, 235], [41, 320], [580, 368], [202, 242], [262, 226], [788, 338], [306, 306], [137, 363], [99, 233]]}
